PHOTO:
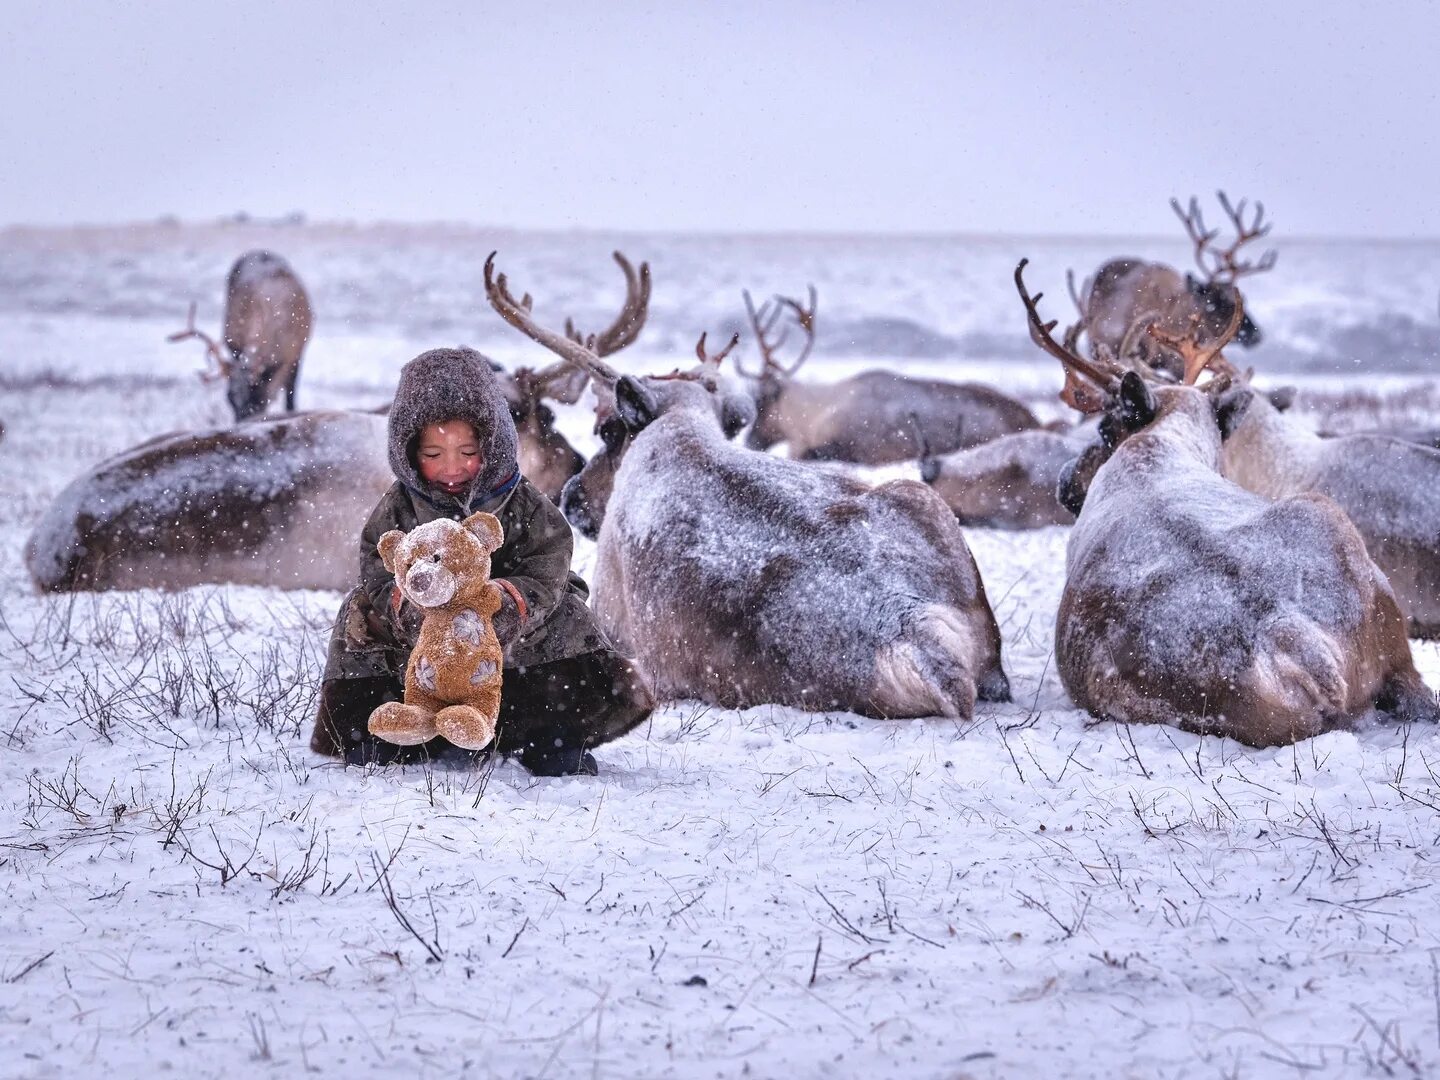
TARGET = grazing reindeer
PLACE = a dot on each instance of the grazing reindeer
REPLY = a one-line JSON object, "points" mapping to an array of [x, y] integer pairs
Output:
{"points": [[1190, 601], [741, 578], [267, 325], [1387, 486], [1127, 295], [276, 502], [871, 418], [546, 457]]}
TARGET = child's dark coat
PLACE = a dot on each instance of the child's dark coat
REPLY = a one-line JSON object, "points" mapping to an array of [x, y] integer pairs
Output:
{"points": [[565, 686]]}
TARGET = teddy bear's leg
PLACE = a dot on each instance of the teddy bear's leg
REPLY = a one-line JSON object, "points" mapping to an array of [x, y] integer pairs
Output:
{"points": [[466, 726], [404, 725]]}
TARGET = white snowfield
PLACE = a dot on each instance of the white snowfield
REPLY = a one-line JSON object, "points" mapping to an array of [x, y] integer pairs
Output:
{"points": [[186, 889]]}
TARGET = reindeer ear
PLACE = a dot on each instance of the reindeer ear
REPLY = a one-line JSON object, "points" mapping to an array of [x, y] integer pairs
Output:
{"points": [[1137, 404], [736, 410], [389, 544], [486, 528], [1192, 284], [634, 403], [1282, 398], [1229, 409]]}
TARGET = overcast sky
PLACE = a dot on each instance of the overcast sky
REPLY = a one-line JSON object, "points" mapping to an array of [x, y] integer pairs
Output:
{"points": [[917, 117]]}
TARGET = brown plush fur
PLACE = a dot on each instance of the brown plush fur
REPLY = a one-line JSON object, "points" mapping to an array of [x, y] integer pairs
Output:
{"points": [[453, 679]]}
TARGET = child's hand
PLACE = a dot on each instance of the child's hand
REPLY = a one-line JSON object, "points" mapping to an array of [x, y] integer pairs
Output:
{"points": [[507, 620]]}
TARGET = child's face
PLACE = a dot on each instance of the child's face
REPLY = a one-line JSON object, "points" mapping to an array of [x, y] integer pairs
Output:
{"points": [[449, 456]]}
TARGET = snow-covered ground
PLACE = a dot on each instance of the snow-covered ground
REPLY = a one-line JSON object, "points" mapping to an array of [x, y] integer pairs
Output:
{"points": [[184, 887]]}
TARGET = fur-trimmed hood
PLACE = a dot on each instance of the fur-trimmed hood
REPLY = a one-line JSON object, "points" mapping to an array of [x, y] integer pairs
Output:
{"points": [[450, 384]]}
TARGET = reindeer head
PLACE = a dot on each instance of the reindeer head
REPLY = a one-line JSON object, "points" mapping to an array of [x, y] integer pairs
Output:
{"points": [[769, 382], [1216, 294], [638, 402], [1126, 401]]}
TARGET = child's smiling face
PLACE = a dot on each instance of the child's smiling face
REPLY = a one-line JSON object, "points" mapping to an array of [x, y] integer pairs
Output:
{"points": [[448, 456]]}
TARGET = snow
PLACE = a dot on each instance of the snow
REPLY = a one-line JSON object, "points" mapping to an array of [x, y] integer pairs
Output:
{"points": [[185, 887]]}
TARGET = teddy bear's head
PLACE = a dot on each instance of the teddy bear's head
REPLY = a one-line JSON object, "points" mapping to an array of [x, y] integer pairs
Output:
{"points": [[434, 561]]}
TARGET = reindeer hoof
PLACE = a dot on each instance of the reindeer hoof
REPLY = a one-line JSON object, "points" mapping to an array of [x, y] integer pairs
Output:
{"points": [[465, 726], [403, 725]]}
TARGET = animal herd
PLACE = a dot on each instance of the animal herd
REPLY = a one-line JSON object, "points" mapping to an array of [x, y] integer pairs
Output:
{"points": [[1228, 570]]}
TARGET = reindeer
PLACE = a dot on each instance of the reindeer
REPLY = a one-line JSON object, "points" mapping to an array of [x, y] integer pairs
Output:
{"points": [[1190, 601], [1386, 485], [1008, 483], [741, 578], [546, 457], [267, 325], [276, 502], [1126, 295], [870, 419]]}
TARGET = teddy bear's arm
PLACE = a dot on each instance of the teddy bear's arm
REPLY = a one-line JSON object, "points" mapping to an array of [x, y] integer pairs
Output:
{"points": [[491, 600], [391, 513]]}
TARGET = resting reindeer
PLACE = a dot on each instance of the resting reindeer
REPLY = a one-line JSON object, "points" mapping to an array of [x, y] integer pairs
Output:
{"points": [[275, 502], [740, 578], [267, 324], [870, 418], [1389, 488], [1008, 483], [1127, 295], [1190, 601], [546, 457]]}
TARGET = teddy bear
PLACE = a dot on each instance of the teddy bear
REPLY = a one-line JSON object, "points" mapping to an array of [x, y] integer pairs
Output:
{"points": [[452, 683]]}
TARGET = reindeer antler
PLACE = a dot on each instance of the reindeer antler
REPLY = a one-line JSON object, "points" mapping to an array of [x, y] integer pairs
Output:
{"points": [[562, 382], [627, 325], [1243, 235], [1223, 266], [762, 323], [715, 360], [517, 314], [1103, 376], [212, 350], [1195, 358]]}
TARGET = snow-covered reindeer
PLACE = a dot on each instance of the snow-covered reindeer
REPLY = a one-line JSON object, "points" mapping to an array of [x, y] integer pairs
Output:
{"points": [[741, 578], [276, 502], [1008, 483], [1389, 488], [546, 457], [871, 418], [267, 325], [1190, 601], [1127, 295]]}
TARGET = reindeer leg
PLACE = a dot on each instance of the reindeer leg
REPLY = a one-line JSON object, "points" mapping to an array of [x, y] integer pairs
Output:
{"points": [[1406, 697]]}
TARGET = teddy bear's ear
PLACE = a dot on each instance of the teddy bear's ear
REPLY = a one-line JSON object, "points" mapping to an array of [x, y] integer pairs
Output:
{"points": [[486, 528], [388, 546]]}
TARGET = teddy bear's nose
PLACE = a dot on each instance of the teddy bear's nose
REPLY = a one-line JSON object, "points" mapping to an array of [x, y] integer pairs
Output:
{"points": [[435, 557]]}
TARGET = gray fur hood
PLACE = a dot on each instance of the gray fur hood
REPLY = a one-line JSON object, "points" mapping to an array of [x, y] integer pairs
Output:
{"points": [[448, 384]]}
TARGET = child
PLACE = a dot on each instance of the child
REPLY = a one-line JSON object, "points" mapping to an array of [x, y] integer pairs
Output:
{"points": [[453, 452]]}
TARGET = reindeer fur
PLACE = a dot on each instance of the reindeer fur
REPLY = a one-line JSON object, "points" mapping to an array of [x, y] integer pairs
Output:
{"points": [[1192, 602], [275, 502], [1008, 483], [872, 418], [741, 578], [1389, 488]]}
